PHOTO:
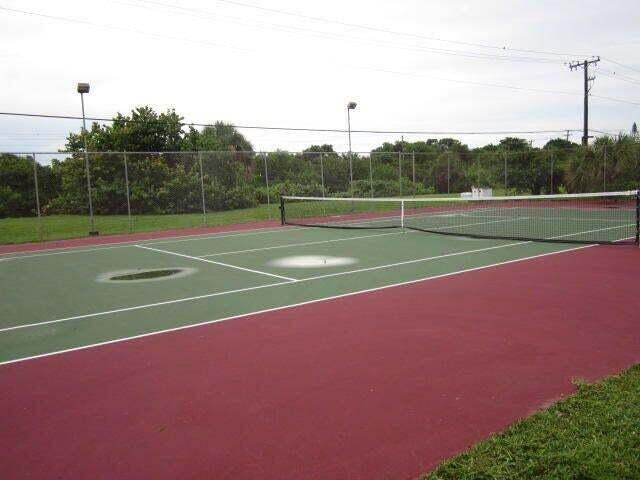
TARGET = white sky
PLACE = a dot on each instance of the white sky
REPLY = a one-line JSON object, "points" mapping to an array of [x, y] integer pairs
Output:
{"points": [[228, 60]]}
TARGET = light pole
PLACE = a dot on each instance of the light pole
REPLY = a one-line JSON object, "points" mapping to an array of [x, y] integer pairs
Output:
{"points": [[350, 106], [82, 89]]}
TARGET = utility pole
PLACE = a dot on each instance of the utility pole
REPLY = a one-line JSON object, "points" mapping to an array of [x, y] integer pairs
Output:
{"points": [[587, 88], [568, 134]]}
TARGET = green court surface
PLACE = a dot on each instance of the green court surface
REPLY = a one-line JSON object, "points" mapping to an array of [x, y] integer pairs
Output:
{"points": [[58, 300]]}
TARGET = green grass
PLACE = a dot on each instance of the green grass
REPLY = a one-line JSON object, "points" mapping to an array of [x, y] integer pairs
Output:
{"points": [[594, 434], [56, 227]]}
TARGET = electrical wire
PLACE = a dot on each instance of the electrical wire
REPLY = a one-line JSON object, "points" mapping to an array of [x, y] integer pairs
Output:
{"points": [[441, 51], [292, 129], [622, 65], [392, 32], [617, 76]]}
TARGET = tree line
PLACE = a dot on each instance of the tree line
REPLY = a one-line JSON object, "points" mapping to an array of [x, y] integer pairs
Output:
{"points": [[170, 169]]}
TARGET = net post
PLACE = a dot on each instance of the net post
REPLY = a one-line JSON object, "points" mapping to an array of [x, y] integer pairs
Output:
{"points": [[402, 214], [282, 217], [638, 217]]}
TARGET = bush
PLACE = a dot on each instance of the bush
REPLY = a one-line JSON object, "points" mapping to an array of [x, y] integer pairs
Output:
{"points": [[239, 197]]}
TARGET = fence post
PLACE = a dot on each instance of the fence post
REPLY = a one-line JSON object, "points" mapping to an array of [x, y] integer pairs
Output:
{"points": [[204, 207], [92, 221], [371, 174], [400, 155], [413, 168], [604, 171], [350, 173], [126, 186], [266, 179], [506, 185], [448, 172], [322, 172], [35, 184], [552, 158]]}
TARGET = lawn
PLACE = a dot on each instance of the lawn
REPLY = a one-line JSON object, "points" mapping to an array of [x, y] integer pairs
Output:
{"points": [[56, 227], [594, 434]]}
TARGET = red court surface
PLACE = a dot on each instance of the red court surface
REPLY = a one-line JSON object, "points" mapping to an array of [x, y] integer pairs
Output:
{"points": [[378, 385]]}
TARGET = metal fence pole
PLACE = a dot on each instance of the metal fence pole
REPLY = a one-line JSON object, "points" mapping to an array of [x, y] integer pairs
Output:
{"points": [[126, 186], [371, 174], [506, 185], [204, 207], [413, 168], [322, 172], [266, 179], [35, 185], [350, 173], [552, 158], [448, 171], [400, 155], [604, 170]]}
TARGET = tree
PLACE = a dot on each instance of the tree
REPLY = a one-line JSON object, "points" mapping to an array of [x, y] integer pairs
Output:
{"points": [[512, 144], [17, 193], [324, 148], [142, 131], [217, 137], [559, 143]]}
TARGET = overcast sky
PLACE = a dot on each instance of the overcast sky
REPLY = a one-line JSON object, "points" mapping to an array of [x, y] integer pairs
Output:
{"points": [[410, 65]]}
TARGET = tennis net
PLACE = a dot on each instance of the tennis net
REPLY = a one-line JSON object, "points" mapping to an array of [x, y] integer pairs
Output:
{"points": [[612, 217]]}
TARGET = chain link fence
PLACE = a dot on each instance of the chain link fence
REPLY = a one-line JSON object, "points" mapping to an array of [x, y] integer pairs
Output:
{"points": [[46, 196]]}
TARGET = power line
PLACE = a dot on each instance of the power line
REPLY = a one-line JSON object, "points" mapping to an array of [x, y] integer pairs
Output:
{"points": [[440, 51], [210, 44], [293, 129], [617, 76], [612, 99], [118, 28], [621, 65], [391, 32], [458, 53]]}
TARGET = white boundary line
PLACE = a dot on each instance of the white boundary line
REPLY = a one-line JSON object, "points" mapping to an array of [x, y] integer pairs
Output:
{"points": [[285, 307], [319, 242], [307, 279], [303, 244], [140, 307], [229, 292], [235, 267], [150, 241]]}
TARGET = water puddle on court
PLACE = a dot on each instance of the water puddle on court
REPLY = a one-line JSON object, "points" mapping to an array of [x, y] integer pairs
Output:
{"points": [[311, 261], [138, 275]]}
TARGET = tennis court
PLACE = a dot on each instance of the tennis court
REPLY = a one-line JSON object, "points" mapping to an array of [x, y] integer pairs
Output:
{"points": [[75, 304]]}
